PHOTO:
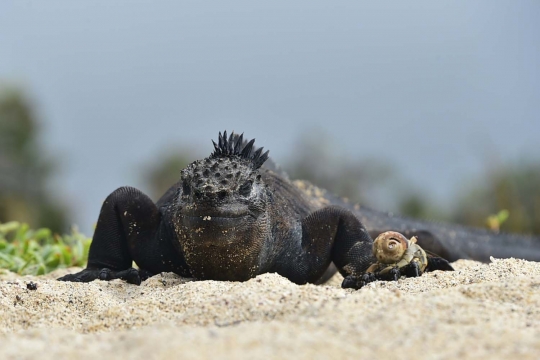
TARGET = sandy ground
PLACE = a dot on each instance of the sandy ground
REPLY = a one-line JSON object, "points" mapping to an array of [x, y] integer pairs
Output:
{"points": [[479, 311]]}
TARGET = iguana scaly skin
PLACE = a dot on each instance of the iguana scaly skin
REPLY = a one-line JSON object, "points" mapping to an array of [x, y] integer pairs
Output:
{"points": [[230, 218]]}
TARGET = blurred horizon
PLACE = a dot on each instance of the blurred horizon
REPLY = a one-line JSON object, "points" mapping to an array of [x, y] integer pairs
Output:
{"points": [[440, 93]]}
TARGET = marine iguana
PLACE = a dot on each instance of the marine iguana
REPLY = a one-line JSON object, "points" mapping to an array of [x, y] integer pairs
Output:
{"points": [[231, 218]]}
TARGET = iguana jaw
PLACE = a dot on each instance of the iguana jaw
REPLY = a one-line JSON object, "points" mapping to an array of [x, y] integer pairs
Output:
{"points": [[216, 247], [223, 222]]}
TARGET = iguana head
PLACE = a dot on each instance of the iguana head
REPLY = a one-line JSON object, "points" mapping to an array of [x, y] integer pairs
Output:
{"points": [[221, 209]]}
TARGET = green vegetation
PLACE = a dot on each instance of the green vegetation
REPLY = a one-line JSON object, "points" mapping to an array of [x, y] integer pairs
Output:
{"points": [[495, 221], [37, 252]]}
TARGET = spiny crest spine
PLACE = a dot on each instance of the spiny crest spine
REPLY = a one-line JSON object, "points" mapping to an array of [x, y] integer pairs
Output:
{"points": [[234, 146]]}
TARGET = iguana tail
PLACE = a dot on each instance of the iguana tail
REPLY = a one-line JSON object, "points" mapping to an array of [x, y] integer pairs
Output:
{"points": [[453, 241]]}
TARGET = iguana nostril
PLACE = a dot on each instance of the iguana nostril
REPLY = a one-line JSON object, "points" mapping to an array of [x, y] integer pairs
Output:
{"points": [[217, 174], [222, 194]]}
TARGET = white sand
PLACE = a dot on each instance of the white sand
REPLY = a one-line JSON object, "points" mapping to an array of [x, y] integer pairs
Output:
{"points": [[487, 311]]}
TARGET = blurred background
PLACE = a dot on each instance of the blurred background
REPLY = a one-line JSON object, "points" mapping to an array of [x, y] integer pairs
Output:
{"points": [[426, 108]]}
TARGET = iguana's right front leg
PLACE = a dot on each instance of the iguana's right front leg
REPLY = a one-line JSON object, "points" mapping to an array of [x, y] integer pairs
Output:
{"points": [[130, 228]]}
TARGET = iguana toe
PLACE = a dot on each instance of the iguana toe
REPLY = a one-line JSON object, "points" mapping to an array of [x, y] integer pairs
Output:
{"points": [[355, 282]]}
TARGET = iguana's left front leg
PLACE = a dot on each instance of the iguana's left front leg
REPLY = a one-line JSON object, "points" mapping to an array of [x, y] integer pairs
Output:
{"points": [[334, 234]]}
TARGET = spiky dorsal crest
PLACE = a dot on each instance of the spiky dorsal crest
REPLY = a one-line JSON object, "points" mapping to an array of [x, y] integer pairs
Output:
{"points": [[234, 146]]}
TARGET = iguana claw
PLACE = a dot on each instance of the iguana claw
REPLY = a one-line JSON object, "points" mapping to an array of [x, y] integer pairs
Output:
{"points": [[394, 274], [354, 282], [412, 270]]}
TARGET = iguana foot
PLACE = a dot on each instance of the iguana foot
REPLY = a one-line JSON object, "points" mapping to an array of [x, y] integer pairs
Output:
{"points": [[395, 274], [411, 270], [355, 282], [391, 275], [131, 275], [86, 275]]}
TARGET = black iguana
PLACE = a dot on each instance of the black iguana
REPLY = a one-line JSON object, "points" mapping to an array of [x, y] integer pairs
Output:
{"points": [[231, 218]]}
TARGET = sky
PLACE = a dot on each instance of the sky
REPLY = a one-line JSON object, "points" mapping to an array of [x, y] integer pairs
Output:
{"points": [[438, 89]]}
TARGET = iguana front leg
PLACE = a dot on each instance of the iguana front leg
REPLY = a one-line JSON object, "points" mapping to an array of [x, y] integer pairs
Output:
{"points": [[129, 228], [331, 234]]}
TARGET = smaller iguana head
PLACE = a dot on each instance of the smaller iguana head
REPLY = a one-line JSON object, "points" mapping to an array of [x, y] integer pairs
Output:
{"points": [[222, 205]]}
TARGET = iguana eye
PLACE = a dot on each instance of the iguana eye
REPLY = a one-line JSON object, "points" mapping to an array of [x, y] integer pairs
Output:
{"points": [[245, 188]]}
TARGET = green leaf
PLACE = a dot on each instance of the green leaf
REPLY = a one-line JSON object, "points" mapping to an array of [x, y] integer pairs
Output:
{"points": [[36, 252]]}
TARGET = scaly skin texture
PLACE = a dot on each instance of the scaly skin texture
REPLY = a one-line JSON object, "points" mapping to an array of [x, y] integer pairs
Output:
{"points": [[450, 241], [230, 218]]}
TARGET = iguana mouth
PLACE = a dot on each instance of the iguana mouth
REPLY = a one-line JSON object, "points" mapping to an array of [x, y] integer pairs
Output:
{"points": [[219, 221], [210, 217], [207, 213]]}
